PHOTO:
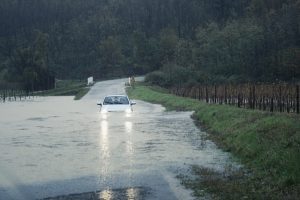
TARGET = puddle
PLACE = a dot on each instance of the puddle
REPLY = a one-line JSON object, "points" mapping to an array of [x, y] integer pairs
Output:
{"points": [[77, 148]]}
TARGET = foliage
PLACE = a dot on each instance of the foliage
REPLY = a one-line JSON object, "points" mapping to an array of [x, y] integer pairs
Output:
{"points": [[246, 40], [111, 56], [28, 65], [156, 78]]}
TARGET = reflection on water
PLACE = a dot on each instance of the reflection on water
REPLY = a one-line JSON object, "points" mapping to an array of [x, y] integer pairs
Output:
{"points": [[106, 135], [129, 142], [124, 194], [132, 193], [129, 148], [104, 142], [106, 195], [128, 126], [104, 116], [104, 146]]}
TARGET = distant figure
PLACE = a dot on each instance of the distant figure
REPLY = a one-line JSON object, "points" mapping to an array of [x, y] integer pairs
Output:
{"points": [[131, 81], [90, 81]]}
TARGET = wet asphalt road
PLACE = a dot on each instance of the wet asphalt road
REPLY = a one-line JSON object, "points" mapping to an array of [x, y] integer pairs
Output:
{"points": [[57, 148]]}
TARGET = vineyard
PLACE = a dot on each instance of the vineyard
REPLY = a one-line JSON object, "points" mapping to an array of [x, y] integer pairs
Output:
{"points": [[15, 95], [13, 92], [267, 97]]}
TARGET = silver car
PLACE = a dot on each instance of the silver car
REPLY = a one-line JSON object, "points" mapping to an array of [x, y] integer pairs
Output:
{"points": [[116, 103]]}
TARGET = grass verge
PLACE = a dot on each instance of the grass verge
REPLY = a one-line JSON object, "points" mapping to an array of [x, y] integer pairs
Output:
{"points": [[268, 144], [67, 88]]}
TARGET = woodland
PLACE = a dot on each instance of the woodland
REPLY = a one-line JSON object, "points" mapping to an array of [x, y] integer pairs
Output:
{"points": [[172, 41]]}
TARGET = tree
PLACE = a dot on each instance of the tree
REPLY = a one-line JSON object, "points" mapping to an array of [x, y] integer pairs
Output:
{"points": [[29, 65], [221, 38], [111, 56], [184, 53], [168, 43]]}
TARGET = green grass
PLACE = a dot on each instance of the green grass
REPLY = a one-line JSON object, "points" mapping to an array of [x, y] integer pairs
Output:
{"points": [[266, 143], [67, 88]]}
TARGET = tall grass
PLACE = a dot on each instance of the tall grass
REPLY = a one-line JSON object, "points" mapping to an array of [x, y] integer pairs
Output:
{"points": [[267, 143]]}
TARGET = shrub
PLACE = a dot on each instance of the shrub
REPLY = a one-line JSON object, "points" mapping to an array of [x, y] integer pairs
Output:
{"points": [[156, 78]]}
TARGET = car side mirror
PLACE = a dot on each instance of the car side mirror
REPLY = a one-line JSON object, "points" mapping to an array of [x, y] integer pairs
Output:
{"points": [[99, 104], [133, 103]]}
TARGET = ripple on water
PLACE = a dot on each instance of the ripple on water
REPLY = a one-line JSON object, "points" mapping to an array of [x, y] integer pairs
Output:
{"points": [[84, 144], [37, 119]]}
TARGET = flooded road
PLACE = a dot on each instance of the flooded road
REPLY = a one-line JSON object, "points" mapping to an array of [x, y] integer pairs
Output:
{"points": [[52, 146]]}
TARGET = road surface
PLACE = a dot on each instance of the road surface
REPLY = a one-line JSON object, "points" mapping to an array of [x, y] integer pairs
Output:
{"points": [[57, 148]]}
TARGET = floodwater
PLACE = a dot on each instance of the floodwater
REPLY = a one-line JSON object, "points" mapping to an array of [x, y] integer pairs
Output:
{"points": [[52, 146]]}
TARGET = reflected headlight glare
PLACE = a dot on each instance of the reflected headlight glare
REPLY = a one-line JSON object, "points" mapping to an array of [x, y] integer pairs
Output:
{"points": [[128, 110], [103, 111]]}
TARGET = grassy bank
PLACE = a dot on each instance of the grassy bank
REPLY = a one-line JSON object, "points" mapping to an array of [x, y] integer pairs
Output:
{"points": [[67, 88], [268, 144]]}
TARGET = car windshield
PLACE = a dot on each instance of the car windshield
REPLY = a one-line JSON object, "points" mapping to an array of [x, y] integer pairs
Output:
{"points": [[115, 100]]}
